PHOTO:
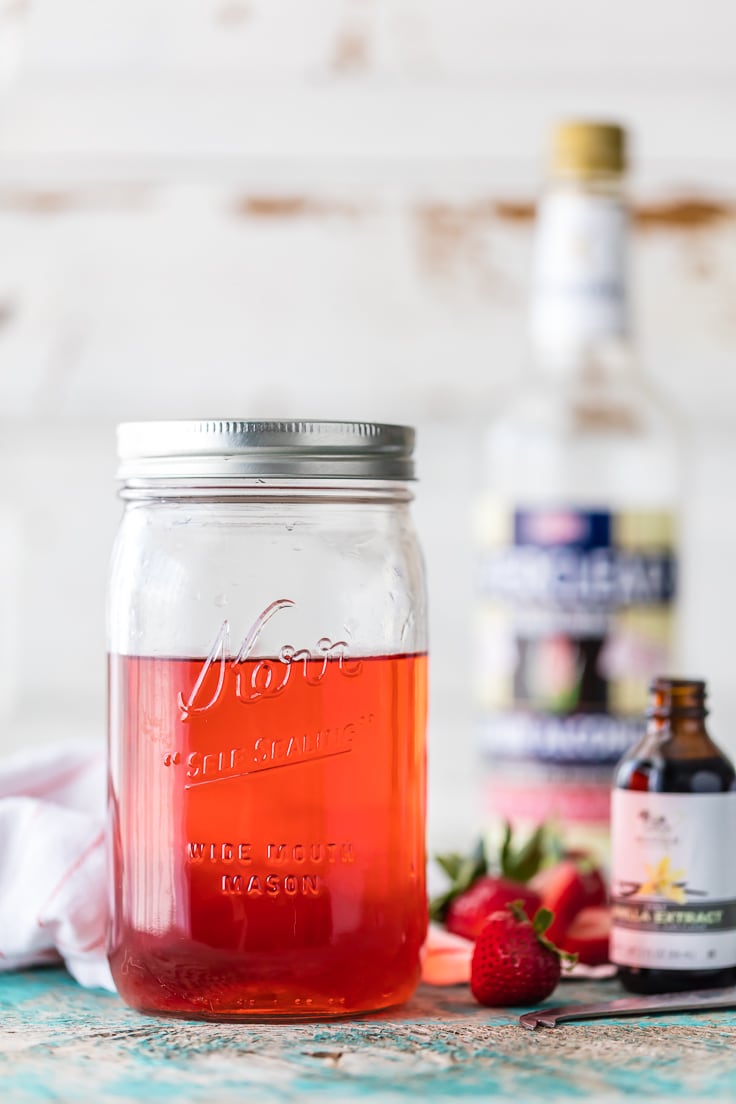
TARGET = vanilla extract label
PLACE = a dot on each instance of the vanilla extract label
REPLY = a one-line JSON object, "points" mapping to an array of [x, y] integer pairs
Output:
{"points": [[673, 890], [659, 917]]}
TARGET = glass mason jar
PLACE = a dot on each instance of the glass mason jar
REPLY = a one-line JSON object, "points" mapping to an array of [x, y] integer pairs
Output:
{"points": [[268, 682]]}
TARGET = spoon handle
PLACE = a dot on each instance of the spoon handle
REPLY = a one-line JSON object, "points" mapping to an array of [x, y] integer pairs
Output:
{"points": [[631, 1006]]}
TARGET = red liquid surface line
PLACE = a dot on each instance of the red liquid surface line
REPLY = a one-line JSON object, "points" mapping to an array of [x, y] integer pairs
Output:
{"points": [[267, 825]]}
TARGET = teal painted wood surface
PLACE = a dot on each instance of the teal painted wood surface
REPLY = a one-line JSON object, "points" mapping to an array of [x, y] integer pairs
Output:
{"points": [[59, 1042]]}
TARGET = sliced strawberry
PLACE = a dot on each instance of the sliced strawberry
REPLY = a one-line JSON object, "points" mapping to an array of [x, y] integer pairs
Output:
{"points": [[445, 958], [467, 913], [588, 935], [565, 889]]}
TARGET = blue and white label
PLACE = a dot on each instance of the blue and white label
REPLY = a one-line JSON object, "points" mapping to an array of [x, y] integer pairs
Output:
{"points": [[575, 618]]}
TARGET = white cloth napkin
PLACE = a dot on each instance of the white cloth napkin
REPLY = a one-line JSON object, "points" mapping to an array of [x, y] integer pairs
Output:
{"points": [[53, 894]]}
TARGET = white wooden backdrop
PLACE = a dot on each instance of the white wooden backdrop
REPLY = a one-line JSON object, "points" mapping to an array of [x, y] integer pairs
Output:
{"points": [[324, 209]]}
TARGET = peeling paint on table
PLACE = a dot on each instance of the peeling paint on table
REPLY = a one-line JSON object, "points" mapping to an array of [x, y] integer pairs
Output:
{"points": [[63, 1043]]}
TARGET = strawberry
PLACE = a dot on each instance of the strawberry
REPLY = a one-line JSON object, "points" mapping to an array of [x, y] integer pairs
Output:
{"points": [[445, 958], [513, 961], [467, 913], [565, 889], [588, 935], [474, 893]]}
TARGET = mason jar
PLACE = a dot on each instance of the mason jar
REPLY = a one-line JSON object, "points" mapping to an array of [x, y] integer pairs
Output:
{"points": [[267, 630]]}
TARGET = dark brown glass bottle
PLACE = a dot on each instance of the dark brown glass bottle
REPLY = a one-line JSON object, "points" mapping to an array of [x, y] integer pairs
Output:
{"points": [[672, 890]]}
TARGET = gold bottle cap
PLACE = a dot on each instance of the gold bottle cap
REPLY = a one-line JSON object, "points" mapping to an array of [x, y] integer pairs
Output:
{"points": [[588, 149]]}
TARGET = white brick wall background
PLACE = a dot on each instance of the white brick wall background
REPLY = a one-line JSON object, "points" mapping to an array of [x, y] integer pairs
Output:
{"points": [[267, 207]]}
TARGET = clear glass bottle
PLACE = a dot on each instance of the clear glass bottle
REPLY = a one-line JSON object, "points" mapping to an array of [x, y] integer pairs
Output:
{"points": [[673, 881], [268, 678], [576, 526]]}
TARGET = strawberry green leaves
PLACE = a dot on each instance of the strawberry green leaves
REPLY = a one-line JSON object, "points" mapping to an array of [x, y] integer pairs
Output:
{"points": [[515, 864]]}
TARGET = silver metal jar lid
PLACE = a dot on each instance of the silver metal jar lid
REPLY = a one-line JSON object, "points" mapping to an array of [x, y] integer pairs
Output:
{"points": [[265, 449]]}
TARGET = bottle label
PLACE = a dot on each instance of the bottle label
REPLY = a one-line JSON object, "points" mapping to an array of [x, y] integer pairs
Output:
{"points": [[673, 886], [579, 277], [575, 618]]}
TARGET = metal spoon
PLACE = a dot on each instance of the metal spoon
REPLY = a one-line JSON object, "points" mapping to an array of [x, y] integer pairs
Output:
{"points": [[631, 1006]]}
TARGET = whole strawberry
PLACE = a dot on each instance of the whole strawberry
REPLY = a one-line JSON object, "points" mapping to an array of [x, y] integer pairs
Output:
{"points": [[513, 962], [468, 912], [475, 891]]}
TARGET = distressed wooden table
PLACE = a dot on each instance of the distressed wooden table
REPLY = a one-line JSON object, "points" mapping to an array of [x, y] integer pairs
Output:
{"points": [[62, 1043]]}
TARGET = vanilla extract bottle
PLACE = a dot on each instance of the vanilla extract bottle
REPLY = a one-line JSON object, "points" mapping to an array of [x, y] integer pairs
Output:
{"points": [[673, 879]]}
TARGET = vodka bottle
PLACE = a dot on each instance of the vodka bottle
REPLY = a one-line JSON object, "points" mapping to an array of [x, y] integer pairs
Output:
{"points": [[576, 525]]}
